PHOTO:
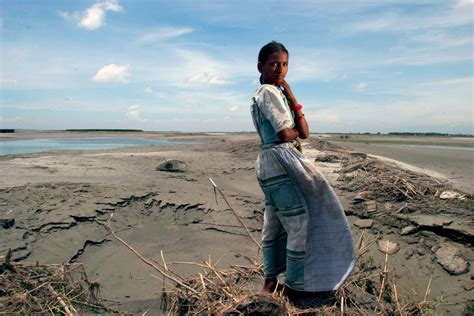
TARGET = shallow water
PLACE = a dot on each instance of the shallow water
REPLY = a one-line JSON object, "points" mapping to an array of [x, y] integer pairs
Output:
{"points": [[86, 143]]}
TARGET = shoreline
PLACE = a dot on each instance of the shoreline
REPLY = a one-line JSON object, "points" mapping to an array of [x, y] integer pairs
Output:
{"points": [[444, 165]]}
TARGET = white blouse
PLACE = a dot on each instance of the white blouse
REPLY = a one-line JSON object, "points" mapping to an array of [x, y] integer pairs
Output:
{"points": [[273, 105]]}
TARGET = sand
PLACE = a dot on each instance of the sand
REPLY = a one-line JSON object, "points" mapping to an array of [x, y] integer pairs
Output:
{"points": [[61, 201]]}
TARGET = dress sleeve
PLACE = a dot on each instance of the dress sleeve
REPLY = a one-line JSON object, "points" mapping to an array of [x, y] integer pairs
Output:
{"points": [[275, 110]]}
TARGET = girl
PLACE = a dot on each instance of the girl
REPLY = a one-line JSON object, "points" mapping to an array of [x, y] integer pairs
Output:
{"points": [[305, 232]]}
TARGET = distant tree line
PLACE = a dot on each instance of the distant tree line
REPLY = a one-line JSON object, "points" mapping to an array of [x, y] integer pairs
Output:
{"points": [[104, 130], [427, 134]]}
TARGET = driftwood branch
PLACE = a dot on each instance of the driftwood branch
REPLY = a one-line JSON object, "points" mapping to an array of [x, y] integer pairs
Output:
{"points": [[216, 188], [150, 263]]}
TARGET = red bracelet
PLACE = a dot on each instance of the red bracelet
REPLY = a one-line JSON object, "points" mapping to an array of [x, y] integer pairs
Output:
{"points": [[296, 108], [300, 117]]}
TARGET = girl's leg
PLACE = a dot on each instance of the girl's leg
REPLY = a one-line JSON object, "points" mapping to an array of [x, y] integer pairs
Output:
{"points": [[292, 216], [274, 239], [273, 248]]}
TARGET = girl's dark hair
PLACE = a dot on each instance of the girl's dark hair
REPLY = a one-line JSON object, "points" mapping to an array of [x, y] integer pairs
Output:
{"points": [[269, 49]]}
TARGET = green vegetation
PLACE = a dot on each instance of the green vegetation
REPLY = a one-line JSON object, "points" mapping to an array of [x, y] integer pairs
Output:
{"points": [[105, 130], [469, 308]]}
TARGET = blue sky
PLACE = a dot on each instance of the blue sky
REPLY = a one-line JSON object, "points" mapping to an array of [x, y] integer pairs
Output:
{"points": [[356, 66]]}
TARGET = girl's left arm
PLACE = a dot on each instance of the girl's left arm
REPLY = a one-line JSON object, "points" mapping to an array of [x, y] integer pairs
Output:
{"points": [[301, 125]]}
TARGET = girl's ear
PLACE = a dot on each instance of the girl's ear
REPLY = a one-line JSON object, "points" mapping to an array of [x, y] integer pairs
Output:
{"points": [[260, 67]]}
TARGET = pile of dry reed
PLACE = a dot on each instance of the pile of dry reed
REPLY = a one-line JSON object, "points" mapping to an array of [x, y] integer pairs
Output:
{"points": [[32, 288], [387, 181], [216, 291], [236, 291]]}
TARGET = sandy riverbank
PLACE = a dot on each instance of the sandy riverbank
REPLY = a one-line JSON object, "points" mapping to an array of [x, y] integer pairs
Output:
{"points": [[61, 201]]}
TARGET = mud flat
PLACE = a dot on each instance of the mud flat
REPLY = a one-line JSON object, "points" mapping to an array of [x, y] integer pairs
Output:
{"points": [[61, 202]]}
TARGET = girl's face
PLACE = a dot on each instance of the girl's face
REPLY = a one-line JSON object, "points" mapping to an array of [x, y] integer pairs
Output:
{"points": [[274, 69]]}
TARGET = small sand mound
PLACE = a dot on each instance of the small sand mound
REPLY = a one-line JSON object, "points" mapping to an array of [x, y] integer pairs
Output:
{"points": [[172, 165]]}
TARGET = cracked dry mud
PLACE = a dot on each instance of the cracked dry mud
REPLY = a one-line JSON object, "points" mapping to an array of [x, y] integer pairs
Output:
{"points": [[61, 202]]}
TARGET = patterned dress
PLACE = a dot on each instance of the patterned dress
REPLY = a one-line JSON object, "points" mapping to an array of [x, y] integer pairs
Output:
{"points": [[305, 231]]}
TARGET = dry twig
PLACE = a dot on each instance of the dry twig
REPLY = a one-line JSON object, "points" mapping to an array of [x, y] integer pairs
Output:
{"points": [[235, 213], [148, 262]]}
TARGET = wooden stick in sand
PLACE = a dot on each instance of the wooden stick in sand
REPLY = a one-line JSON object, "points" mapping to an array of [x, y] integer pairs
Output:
{"points": [[428, 290], [382, 286], [399, 308], [236, 215], [151, 264], [61, 301]]}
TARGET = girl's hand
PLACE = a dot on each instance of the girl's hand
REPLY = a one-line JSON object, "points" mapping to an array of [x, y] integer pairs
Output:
{"points": [[288, 93]]}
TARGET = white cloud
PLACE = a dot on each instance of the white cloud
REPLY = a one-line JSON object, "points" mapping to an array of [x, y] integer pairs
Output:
{"points": [[440, 106], [204, 78], [148, 90], [361, 86], [74, 16], [199, 77], [427, 56], [431, 47], [110, 5], [336, 77], [454, 81], [8, 82], [10, 119], [442, 39], [113, 73], [234, 108], [217, 81], [376, 24], [227, 117], [430, 18], [318, 64], [205, 69], [164, 33], [464, 3], [134, 114], [94, 16], [327, 116]]}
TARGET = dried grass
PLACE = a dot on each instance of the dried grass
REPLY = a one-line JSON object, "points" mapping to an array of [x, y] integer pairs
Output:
{"points": [[31, 288], [236, 291], [385, 180]]}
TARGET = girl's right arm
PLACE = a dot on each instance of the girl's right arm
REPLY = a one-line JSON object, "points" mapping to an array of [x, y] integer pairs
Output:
{"points": [[288, 134], [301, 129]]}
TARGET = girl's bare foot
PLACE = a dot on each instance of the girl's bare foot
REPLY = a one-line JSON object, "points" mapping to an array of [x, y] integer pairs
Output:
{"points": [[304, 299], [270, 285]]}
